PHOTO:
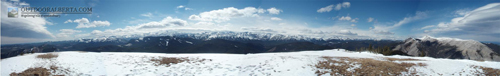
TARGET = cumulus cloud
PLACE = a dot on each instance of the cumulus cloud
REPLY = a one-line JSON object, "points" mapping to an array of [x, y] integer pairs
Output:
{"points": [[348, 18], [274, 10], [276, 18], [345, 18], [355, 20], [68, 21], [85, 23], [23, 27], [346, 4], [480, 22], [370, 19], [325, 9], [332, 6], [225, 14]]}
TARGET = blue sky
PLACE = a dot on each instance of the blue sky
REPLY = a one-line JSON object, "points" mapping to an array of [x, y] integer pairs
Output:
{"points": [[379, 19]]}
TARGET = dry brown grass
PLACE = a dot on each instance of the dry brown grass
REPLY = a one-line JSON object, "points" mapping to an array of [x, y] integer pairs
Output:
{"points": [[47, 56], [488, 71], [174, 60], [367, 67], [39, 71]]}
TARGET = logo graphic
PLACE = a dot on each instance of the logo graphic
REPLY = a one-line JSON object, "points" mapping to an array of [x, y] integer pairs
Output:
{"points": [[13, 12]]}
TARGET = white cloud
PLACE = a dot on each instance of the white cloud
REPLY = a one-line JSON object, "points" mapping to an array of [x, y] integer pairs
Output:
{"points": [[68, 21], [426, 27], [355, 20], [188, 8], [149, 27], [325, 9], [480, 22], [274, 10], [180, 6], [149, 14], [185, 8], [261, 11], [166, 22], [370, 19], [276, 18], [337, 7], [347, 18], [23, 27], [222, 15], [353, 25], [83, 20], [85, 23], [346, 4], [418, 16], [462, 12], [346, 32]]}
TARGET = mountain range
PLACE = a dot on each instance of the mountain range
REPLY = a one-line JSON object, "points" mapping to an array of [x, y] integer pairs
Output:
{"points": [[247, 42]]}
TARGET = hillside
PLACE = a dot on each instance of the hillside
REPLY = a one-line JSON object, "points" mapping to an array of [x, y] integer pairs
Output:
{"points": [[451, 48], [305, 63]]}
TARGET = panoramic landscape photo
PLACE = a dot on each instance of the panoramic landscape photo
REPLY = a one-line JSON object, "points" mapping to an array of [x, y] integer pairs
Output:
{"points": [[250, 37]]}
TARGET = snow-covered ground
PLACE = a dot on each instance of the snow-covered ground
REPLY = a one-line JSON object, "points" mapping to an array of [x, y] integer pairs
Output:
{"points": [[263, 64]]}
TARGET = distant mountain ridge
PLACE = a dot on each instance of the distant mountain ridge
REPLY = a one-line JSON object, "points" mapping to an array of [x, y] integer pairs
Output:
{"points": [[206, 42], [448, 48], [247, 42], [228, 35]]}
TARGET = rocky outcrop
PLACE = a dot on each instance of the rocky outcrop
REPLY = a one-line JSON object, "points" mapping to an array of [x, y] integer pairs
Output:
{"points": [[447, 48]]}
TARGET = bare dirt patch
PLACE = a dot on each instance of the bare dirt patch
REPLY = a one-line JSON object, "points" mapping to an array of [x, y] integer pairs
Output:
{"points": [[175, 60], [47, 56], [361, 67], [488, 71]]}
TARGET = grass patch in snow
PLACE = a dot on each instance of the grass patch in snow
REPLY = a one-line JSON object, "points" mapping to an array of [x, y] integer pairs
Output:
{"points": [[175, 60], [361, 66], [47, 56], [38, 71], [488, 71]]}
